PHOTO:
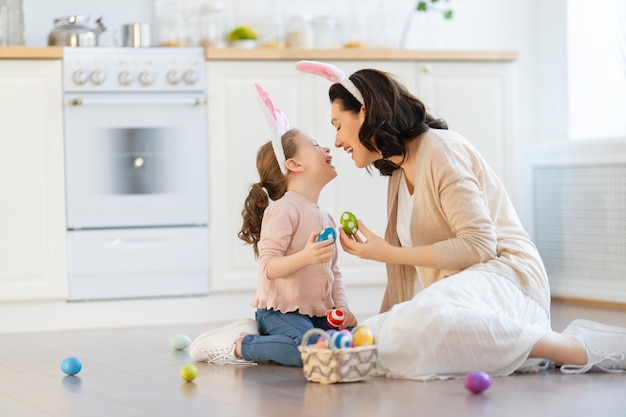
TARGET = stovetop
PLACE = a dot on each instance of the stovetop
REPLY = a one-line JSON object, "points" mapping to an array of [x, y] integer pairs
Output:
{"points": [[101, 69]]}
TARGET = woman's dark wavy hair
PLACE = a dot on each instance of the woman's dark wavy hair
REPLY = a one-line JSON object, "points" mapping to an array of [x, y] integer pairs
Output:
{"points": [[393, 116], [270, 178]]}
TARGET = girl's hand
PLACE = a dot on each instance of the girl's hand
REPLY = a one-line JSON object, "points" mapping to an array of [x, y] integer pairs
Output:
{"points": [[370, 246], [318, 252], [349, 319]]}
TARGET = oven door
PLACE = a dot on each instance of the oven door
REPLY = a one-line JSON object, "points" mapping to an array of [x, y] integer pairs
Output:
{"points": [[136, 160]]}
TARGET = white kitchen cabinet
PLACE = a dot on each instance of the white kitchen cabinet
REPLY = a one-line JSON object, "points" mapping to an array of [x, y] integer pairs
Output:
{"points": [[236, 130], [32, 214], [476, 98]]}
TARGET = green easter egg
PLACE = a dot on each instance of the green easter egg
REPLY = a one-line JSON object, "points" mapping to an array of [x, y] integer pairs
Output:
{"points": [[349, 223]]}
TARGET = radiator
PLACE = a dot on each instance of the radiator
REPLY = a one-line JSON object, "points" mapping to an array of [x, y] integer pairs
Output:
{"points": [[578, 209]]}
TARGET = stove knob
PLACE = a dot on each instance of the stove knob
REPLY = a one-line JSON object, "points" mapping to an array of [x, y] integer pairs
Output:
{"points": [[125, 78], [190, 77], [96, 77], [173, 77], [145, 78], [79, 77]]}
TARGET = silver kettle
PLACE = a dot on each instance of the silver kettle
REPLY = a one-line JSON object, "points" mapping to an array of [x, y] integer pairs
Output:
{"points": [[75, 31]]}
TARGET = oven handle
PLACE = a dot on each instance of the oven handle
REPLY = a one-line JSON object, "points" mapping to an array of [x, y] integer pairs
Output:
{"points": [[193, 101]]}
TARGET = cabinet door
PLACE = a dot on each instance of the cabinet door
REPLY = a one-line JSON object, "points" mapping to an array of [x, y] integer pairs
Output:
{"points": [[32, 214], [477, 100]]}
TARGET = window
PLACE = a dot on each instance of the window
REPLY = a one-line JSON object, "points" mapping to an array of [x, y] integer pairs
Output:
{"points": [[596, 49]]}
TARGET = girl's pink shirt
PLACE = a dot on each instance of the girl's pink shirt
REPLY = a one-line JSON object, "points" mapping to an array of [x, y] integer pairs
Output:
{"points": [[312, 290]]}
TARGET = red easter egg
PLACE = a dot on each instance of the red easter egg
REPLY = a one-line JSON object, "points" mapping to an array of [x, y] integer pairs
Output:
{"points": [[334, 318]]}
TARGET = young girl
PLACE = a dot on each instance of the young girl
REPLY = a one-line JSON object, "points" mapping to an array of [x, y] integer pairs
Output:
{"points": [[298, 279]]}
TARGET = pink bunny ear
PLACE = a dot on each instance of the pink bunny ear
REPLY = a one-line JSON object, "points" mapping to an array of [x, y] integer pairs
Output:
{"points": [[266, 103], [277, 121], [328, 71], [332, 74]]}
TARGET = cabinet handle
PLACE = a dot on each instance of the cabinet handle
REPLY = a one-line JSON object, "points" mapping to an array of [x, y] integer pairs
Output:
{"points": [[427, 68], [136, 100]]}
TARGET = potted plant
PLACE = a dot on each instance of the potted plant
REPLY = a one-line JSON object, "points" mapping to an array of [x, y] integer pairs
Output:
{"points": [[243, 37], [425, 6], [433, 5]]}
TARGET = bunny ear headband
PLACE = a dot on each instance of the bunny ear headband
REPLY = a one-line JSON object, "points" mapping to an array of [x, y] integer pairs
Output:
{"points": [[331, 73], [278, 124]]}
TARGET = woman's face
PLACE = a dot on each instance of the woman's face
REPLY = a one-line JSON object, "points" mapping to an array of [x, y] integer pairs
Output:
{"points": [[347, 126]]}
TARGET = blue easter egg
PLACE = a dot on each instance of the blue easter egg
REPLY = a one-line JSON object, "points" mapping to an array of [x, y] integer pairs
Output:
{"points": [[180, 341], [341, 340], [71, 366], [327, 234]]}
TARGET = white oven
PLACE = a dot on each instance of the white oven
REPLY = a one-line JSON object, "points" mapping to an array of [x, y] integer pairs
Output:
{"points": [[135, 161], [136, 172]]}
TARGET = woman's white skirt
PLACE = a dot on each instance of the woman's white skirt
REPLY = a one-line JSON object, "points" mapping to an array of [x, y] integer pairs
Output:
{"points": [[470, 321]]}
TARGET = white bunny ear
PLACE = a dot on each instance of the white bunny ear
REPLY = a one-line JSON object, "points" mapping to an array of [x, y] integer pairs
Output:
{"points": [[332, 74], [278, 123]]}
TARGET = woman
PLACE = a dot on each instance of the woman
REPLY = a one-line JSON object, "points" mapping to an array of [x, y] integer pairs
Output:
{"points": [[466, 289]]}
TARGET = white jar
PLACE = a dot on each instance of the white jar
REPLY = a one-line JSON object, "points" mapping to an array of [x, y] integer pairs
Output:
{"points": [[211, 25], [172, 30], [327, 34], [271, 27], [355, 31], [299, 33], [11, 22], [4, 23]]}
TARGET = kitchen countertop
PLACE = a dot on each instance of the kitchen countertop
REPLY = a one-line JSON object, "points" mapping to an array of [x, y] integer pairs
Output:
{"points": [[29, 52], [389, 54]]}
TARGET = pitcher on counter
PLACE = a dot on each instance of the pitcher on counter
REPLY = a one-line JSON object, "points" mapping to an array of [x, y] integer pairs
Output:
{"points": [[299, 280], [466, 288]]}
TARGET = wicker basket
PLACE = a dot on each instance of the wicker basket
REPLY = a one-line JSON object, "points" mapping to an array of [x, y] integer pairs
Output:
{"points": [[331, 365]]}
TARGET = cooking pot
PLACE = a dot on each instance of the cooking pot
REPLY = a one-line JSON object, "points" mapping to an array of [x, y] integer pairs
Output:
{"points": [[75, 31], [134, 35]]}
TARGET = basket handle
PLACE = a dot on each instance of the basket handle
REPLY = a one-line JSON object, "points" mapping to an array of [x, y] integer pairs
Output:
{"points": [[319, 332], [330, 340]]}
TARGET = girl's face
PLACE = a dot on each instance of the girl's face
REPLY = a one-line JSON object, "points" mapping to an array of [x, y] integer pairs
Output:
{"points": [[314, 158], [347, 125]]}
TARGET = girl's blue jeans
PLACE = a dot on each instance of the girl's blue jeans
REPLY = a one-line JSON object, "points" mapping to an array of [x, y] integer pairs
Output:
{"points": [[280, 336]]}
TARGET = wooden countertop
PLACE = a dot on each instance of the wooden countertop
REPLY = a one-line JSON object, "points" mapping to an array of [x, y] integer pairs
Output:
{"points": [[271, 54], [28, 52], [385, 54]]}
